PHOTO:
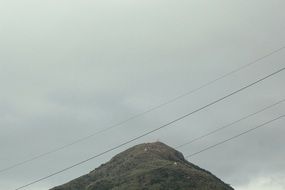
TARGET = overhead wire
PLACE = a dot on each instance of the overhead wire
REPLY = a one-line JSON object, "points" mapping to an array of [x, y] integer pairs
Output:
{"points": [[230, 124], [222, 142], [234, 137], [156, 129], [140, 114]]}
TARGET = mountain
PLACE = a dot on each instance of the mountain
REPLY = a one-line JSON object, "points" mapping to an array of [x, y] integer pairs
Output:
{"points": [[149, 166]]}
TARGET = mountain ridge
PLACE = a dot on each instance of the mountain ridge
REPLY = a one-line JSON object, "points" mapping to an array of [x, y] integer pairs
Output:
{"points": [[148, 166]]}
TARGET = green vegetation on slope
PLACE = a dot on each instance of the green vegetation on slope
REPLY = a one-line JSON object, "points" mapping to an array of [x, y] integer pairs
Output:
{"points": [[151, 166]]}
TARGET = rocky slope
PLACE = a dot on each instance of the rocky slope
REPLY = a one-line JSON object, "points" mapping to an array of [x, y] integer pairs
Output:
{"points": [[151, 166]]}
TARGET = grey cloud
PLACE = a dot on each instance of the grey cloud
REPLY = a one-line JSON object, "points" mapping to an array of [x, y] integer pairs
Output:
{"points": [[70, 68]]}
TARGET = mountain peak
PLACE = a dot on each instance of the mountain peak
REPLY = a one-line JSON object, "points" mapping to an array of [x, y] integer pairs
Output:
{"points": [[156, 150], [148, 166]]}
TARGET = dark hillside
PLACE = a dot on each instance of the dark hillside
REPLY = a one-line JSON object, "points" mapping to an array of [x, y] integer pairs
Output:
{"points": [[151, 166]]}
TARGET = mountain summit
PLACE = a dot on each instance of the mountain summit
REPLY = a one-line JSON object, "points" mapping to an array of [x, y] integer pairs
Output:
{"points": [[149, 166]]}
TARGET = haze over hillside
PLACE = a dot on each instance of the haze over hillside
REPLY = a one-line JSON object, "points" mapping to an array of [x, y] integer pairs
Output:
{"points": [[150, 166]]}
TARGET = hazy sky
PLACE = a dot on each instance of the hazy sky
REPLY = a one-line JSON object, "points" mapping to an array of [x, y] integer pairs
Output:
{"points": [[69, 68]]}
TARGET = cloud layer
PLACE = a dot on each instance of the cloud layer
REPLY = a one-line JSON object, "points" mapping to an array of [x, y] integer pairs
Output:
{"points": [[71, 68]]}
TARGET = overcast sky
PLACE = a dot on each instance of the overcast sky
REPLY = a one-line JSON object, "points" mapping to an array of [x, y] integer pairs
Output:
{"points": [[69, 68]]}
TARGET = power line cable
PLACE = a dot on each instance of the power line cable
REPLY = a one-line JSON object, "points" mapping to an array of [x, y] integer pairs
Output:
{"points": [[142, 113], [154, 130], [234, 137], [229, 139], [230, 124]]}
